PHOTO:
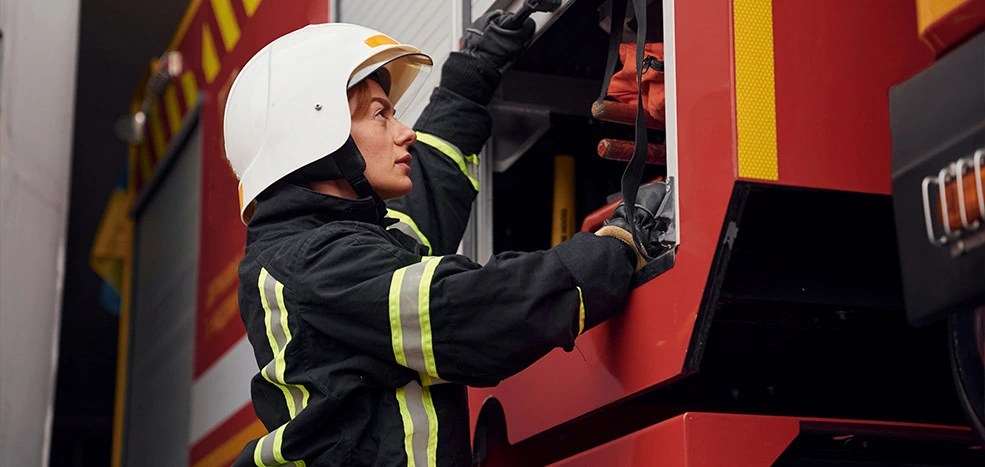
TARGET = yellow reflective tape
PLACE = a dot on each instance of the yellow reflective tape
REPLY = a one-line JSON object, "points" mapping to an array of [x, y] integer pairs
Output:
{"points": [[408, 425], [266, 311], [189, 87], [171, 108], [157, 131], [453, 153], [755, 96], [278, 361], [250, 6], [279, 444], [228, 27], [257, 460], [379, 40], [287, 339], [410, 223], [432, 426], [396, 334], [581, 311], [424, 314], [210, 58]]}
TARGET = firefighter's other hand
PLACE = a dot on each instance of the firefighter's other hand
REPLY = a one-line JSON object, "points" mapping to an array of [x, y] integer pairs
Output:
{"points": [[652, 217], [489, 39]]}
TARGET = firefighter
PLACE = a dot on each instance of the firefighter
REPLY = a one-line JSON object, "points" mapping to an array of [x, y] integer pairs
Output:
{"points": [[365, 325]]}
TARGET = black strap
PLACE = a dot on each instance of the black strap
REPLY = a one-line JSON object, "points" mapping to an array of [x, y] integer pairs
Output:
{"points": [[352, 165], [633, 174]]}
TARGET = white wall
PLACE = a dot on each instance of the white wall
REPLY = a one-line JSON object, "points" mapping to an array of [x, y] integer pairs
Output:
{"points": [[37, 96]]}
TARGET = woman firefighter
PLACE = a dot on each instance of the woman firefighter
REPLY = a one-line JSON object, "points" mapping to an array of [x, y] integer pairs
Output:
{"points": [[365, 325]]}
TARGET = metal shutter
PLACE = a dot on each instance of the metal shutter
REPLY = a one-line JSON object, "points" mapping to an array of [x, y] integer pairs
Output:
{"points": [[162, 331]]}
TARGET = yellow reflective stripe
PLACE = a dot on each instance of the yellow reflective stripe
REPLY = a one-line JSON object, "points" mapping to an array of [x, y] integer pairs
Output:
{"points": [[269, 450], [432, 451], [396, 333], [581, 311], [408, 425], [424, 314], [755, 96], [414, 230], [410, 317], [266, 311], [283, 351], [420, 422], [468, 165], [279, 336]]}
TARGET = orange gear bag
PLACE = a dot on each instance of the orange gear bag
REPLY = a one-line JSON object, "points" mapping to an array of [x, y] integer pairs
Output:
{"points": [[623, 85]]}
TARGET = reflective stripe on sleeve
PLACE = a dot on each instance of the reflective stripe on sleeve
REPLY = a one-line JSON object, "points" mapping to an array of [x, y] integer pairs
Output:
{"points": [[420, 425], [407, 225], [279, 336], [469, 165], [410, 317], [268, 451]]}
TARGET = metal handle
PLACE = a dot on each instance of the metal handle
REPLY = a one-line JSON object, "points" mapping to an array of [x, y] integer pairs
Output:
{"points": [[529, 7], [927, 215], [954, 171], [977, 165]]}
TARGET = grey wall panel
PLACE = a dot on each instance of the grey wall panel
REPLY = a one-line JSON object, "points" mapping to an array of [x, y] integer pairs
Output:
{"points": [[163, 317], [428, 24], [479, 7]]}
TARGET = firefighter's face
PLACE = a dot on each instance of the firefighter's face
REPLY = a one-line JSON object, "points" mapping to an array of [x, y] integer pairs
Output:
{"points": [[382, 140]]}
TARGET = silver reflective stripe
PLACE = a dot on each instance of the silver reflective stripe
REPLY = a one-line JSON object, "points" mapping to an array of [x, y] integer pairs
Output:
{"points": [[267, 450], [410, 317], [419, 417], [407, 229], [407, 225]]}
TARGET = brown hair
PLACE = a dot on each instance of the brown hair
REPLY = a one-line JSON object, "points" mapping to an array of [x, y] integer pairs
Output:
{"points": [[358, 95]]}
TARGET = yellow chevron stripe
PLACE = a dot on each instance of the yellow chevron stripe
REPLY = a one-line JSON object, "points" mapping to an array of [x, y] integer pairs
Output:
{"points": [[228, 27], [189, 87], [172, 109], [157, 130], [251, 6], [210, 58]]}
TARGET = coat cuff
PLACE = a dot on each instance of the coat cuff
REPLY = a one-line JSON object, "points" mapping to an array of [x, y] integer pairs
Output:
{"points": [[470, 78]]}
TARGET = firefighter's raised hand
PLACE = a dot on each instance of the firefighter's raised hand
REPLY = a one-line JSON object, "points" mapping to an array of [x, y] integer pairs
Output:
{"points": [[489, 39], [652, 217]]}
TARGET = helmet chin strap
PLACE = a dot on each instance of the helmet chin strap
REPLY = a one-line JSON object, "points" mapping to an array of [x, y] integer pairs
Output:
{"points": [[345, 163]]}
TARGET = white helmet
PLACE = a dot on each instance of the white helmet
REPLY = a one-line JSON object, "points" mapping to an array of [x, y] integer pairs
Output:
{"points": [[288, 107]]}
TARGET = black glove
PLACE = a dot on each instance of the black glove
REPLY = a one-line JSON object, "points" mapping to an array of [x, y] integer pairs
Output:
{"points": [[653, 218], [488, 40]]}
